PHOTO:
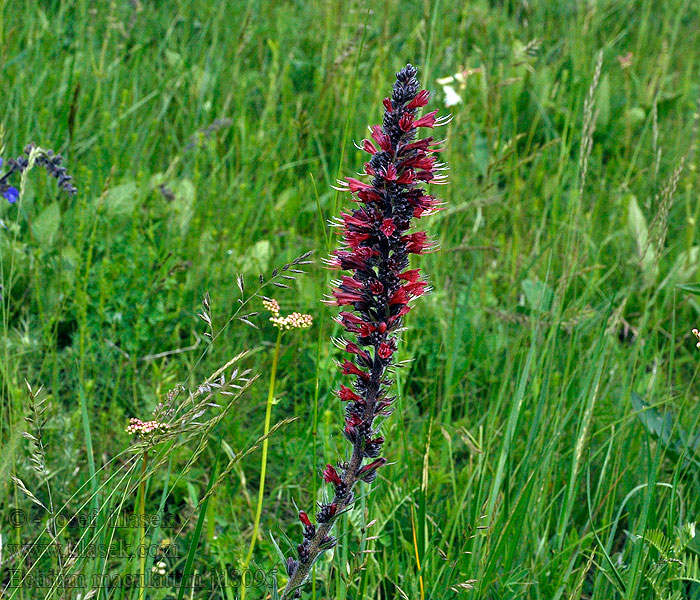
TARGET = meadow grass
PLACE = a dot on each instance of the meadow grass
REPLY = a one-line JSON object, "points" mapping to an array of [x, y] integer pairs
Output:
{"points": [[548, 428]]}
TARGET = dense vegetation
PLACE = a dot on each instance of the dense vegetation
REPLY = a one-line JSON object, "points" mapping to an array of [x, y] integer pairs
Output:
{"points": [[547, 436]]}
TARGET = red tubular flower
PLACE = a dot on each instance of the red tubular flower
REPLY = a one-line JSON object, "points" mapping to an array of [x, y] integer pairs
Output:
{"points": [[381, 138], [346, 394], [417, 242], [369, 195], [406, 121], [416, 289], [330, 475], [399, 296], [426, 120], [411, 275], [355, 185], [376, 250], [388, 227], [304, 518], [343, 298], [373, 466], [421, 99], [369, 147], [385, 350], [350, 368]]}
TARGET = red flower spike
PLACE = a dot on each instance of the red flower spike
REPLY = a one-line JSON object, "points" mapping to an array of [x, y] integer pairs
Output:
{"points": [[378, 288]]}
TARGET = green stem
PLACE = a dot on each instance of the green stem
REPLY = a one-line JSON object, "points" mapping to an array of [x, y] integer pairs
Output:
{"points": [[263, 466], [142, 527]]}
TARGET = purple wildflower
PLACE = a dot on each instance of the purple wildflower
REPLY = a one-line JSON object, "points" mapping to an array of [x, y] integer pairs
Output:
{"points": [[379, 290], [46, 159], [10, 193]]}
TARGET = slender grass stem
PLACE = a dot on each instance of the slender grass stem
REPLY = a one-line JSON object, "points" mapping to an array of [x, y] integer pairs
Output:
{"points": [[142, 527], [263, 464]]}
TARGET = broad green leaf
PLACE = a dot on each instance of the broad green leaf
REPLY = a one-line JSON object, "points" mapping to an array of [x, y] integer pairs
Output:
{"points": [[539, 296], [686, 265], [639, 230], [121, 200], [480, 153], [603, 102], [257, 258], [46, 225], [691, 288], [183, 205]]}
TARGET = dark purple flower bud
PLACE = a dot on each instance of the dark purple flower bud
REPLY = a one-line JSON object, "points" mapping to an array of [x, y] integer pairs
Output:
{"points": [[291, 566], [369, 472]]}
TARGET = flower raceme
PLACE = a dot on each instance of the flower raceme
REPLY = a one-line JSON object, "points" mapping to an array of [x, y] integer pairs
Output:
{"points": [[379, 290], [46, 159]]}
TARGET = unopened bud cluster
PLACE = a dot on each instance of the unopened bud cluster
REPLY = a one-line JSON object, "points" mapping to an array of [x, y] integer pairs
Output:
{"points": [[293, 321], [145, 428]]}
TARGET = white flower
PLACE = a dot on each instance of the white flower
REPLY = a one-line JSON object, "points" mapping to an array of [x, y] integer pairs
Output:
{"points": [[451, 96]]}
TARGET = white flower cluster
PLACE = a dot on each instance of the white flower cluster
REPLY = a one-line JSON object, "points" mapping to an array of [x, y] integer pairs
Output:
{"points": [[145, 428], [294, 321]]}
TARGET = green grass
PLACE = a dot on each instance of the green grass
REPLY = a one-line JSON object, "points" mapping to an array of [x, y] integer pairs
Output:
{"points": [[549, 415]]}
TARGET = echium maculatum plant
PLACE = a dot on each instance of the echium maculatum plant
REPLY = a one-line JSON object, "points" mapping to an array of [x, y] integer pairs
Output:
{"points": [[379, 291]]}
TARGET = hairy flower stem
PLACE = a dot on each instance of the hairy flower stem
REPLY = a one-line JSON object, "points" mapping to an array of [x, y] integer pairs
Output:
{"points": [[263, 465]]}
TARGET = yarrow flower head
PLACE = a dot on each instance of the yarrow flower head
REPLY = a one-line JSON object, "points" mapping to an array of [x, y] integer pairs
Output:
{"points": [[379, 291], [293, 321], [46, 159], [146, 428]]}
